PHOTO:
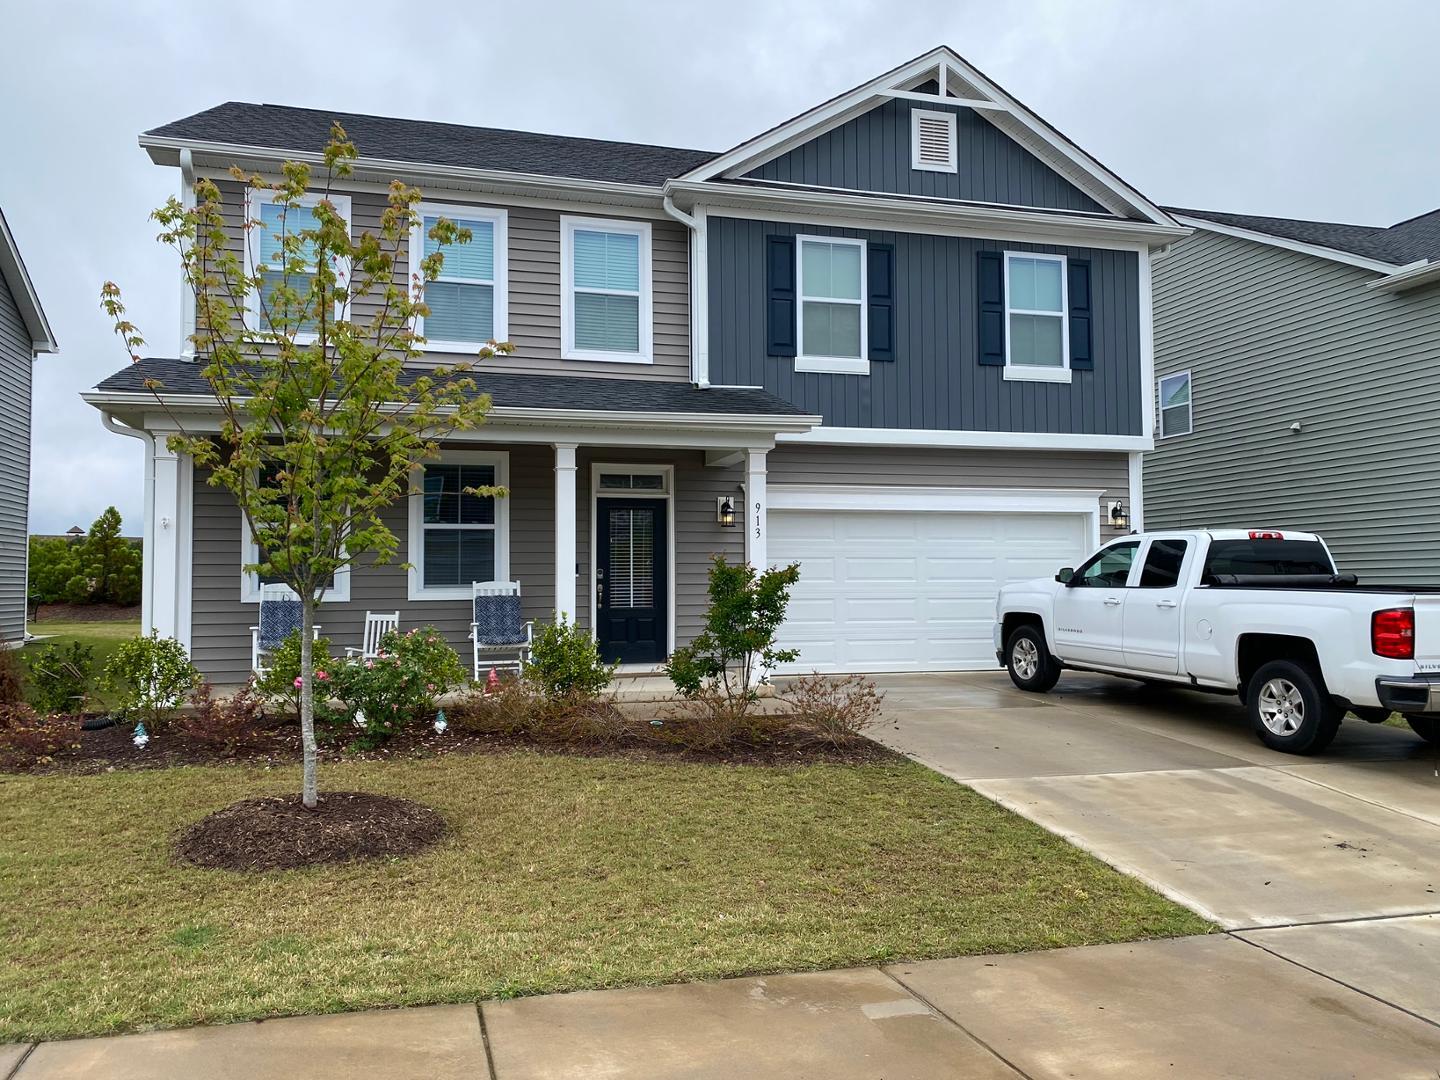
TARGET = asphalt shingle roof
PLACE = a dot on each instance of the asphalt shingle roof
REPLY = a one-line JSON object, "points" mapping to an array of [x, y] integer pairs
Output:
{"points": [[518, 391], [1409, 241], [284, 127]]}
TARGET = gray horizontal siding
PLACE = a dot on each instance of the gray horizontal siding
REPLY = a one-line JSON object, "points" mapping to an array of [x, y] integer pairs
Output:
{"points": [[872, 153], [220, 635], [16, 358], [1272, 337], [936, 380], [534, 289]]}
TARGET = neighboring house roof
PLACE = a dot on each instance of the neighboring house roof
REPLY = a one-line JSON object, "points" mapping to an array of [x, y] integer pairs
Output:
{"points": [[1384, 249], [283, 127], [12, 270], [560, 392]]}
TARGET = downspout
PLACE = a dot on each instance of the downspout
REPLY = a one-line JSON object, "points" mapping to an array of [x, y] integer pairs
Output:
{"points": [[147, 541], [187, 291], [699, 291]]}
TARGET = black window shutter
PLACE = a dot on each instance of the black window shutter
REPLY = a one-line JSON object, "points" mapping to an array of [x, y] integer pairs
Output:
{"points": [[780, 295], [1081, 356], [990, 275], [880, 284]]}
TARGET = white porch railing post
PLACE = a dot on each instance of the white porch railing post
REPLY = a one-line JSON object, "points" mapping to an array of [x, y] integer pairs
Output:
{"points": [[756, 529], [165, 511], [565, 557]]}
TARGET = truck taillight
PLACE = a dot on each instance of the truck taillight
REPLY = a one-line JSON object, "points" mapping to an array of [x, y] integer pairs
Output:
{"points": [[1392, 633]]}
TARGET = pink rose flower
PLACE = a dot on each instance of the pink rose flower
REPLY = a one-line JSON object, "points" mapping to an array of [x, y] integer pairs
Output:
{"points": [[321, 676], [299, 682]]}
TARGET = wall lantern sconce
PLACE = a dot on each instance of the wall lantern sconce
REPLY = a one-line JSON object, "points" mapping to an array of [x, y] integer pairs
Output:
{"points": [[725, 511], [1119, 519]]}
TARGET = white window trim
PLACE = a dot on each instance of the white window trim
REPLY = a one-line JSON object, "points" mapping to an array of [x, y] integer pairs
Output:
{"points": [[500, 270], [338, 593], [833, 365], [668, 494], [916, 115], [568, 351], [414, 546], [1160, 406], [254, 199], [1032, 372]]}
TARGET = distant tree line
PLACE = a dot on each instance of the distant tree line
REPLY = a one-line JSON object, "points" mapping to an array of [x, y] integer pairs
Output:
{"points": [[101, 567]]}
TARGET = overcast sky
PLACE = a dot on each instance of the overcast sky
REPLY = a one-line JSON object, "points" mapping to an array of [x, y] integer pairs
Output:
{"points": [[1308, 109]]}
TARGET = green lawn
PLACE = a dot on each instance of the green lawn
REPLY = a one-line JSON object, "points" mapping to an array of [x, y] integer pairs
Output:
{"points": [[104, 636], [561, 873]]}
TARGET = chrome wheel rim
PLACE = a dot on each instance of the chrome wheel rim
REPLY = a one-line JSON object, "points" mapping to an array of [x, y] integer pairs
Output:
{"points": [[1282, 707], [1025, 657]]}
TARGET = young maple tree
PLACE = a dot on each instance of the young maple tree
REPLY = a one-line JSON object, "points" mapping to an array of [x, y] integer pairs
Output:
{"points": [[322, 421]]}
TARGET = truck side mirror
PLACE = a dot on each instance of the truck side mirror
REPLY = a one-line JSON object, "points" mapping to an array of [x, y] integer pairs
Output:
{"points": [[1065, 574]]}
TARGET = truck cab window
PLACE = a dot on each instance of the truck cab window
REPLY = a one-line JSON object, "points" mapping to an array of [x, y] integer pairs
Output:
{"points": [[1110, 568], [1162, 564]]}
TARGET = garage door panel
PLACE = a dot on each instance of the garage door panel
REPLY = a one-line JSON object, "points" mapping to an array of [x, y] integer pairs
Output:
{"points": [[906, 591]]}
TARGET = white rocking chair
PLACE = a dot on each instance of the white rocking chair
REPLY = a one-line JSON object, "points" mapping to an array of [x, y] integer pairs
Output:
{"points": [[377, 625], [281, 615], [496, 628]]}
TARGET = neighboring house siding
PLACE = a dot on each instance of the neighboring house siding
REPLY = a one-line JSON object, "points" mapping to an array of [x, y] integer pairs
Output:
{"points": [[220, 634], [872, 153], [16, 359], [929, 467], [936, 380], [534, 287], [1272, 337]]}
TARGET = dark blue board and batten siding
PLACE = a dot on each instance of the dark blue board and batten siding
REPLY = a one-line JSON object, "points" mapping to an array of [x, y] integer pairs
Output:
{"points": [[936, 380], [872, 153]]}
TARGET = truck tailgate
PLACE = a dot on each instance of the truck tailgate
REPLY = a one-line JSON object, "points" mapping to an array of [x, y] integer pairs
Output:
{"points": [[1427, 633]]}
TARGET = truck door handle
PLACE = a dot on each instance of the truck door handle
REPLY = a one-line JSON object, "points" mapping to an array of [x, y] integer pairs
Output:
{"points": [[1165, 603], [1112, 601]]}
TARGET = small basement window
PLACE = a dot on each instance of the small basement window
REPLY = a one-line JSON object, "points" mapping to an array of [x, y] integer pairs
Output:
{"points": [[932, 141]]}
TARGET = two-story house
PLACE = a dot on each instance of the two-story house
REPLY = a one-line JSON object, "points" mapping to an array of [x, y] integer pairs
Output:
{"points": [[24, 334], [905, 337]]}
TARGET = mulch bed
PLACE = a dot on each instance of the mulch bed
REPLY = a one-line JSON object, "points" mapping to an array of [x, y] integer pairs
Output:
{"points": [[279, 833]]}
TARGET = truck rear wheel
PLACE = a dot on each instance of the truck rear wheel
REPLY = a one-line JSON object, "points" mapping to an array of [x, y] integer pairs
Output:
{"points": [[1427, 727], [1028, 660], [1289, 708]]}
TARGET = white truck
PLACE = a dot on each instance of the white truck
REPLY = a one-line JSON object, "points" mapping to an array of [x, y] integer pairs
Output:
{"points": [[1261, 613]]}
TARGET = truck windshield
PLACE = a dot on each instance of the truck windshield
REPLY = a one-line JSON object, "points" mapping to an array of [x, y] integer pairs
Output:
{"points": [[1267, 558]]}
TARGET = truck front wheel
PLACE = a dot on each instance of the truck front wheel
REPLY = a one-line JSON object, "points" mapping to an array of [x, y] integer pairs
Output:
{"points": [[1289, 708], [1028, 660]]}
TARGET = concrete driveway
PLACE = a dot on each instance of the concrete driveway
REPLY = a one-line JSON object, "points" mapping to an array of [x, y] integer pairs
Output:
{"points": [[1330, 862]]}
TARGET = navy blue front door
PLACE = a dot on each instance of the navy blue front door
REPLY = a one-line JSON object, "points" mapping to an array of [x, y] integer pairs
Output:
{"points": [[630, 582]]}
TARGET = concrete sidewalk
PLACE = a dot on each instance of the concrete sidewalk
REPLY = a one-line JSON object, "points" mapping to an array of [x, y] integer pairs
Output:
{"points": [[1192, 1007]]}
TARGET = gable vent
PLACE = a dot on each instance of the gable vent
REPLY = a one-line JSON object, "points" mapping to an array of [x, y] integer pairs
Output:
{"points": [[932, 140]]}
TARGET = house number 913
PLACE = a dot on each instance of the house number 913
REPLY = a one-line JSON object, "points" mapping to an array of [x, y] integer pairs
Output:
{"points": [[757, 521]]}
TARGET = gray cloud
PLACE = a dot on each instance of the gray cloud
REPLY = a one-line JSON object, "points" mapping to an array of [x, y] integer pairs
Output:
{"points": [[1305, 109]]}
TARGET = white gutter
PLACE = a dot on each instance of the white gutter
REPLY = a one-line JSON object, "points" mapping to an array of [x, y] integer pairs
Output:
{"points": [[699, 289], [187, 293], [147, 570], [1409, 277]]}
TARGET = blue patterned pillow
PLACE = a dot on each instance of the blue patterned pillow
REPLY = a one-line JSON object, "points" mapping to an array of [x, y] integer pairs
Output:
{"points": [[279, 618], [497, 620]]}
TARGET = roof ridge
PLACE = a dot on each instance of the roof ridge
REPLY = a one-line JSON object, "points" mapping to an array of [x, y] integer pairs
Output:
{"points": [[1276, 217]]}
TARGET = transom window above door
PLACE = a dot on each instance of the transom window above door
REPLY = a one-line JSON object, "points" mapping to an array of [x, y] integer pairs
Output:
{"points": [[625, 481], [457, 537], [1036, 334], [605, 301], [468, 300], [832, 305]]}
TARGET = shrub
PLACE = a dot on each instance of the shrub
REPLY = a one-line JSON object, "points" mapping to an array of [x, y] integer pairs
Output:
{"points": [[278, 684], [512, 709], [152, 677], [711, 719], [27, 739], [835, 711], [231, 724], [61, 677], [12, 677], [403, 682], [565, 663]]}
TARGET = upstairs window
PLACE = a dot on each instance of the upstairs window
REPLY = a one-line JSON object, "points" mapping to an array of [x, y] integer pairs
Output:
{"points": [[1037, 340], [1175, 405], [265, 250], [605, 303], [832, 305], [467, 301], [932, 141]]}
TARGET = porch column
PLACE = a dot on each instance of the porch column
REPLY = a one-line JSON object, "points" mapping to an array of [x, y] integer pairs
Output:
{"points": [[165, 530], [565, 557], [756, 529]]}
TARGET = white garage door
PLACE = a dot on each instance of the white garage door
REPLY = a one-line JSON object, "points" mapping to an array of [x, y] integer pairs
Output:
{"points": [[909, 590]]}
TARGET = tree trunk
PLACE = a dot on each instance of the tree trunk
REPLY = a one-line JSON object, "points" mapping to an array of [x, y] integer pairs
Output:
{"points": [[308, 794]]}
